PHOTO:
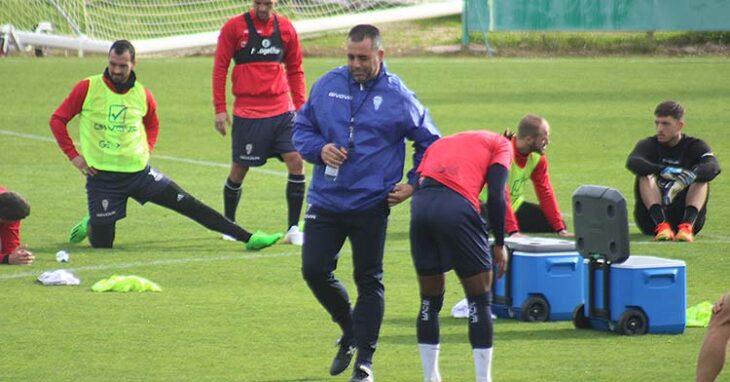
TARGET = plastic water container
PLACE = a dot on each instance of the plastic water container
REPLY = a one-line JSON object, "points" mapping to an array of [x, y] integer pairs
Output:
{"points": [[545, 280]]}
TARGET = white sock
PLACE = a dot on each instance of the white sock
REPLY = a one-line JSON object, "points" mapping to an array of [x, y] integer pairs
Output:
{"points": [[483, 364], [430, 362]]}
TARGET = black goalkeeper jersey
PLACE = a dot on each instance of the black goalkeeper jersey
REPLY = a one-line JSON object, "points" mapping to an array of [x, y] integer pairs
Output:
{"points": [[650, 157]]}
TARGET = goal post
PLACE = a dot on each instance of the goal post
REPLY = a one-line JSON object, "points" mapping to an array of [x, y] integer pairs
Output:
{"points": [[158, 26]]}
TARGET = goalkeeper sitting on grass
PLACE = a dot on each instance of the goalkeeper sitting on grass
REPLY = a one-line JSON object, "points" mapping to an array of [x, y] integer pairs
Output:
{"points": [[673, 171], [118, 129]]}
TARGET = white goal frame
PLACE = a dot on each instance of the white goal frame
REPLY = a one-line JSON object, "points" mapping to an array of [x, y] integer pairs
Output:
{"points": [[19, 39]]}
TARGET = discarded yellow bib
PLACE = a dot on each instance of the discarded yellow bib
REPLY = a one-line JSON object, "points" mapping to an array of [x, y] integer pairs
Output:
{"points": [[125, 284], [699, 315]]}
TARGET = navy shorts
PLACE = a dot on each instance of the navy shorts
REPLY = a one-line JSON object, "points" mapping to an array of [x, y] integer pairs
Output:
{"points": [[447, 233], [107, 192], [255, 140]]}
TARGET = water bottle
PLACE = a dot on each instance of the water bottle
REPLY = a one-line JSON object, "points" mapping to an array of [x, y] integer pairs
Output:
{"points": [[330, 173], [62, 256]]}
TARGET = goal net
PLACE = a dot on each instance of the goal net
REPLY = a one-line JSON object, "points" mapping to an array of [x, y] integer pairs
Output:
{"points": [[164, 25]]}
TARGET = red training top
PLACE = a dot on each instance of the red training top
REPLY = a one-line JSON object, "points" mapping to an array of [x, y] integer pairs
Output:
{"points": [[72, 105], [461, 161], [9, 236], [261, 88], [544, 191]]}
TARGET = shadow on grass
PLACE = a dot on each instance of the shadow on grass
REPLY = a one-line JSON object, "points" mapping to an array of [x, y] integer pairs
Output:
{"points": [[307, 379], [164, 243], [444, 321], [640, 237], [538, 332]]}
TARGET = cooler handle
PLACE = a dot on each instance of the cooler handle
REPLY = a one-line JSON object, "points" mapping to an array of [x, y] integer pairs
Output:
{"points": [[660, 274], [559, 263]]}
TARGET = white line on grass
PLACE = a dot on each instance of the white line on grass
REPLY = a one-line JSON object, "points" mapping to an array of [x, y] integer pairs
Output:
{"points": [[155, 156], [154, 263]]}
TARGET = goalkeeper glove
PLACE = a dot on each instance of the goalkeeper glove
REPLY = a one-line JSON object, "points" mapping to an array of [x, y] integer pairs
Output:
{"points": [[680, 182], [669, 173]]}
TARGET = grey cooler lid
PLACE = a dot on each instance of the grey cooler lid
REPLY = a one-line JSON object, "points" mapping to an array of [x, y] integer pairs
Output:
{"points": [[539, 244], [643, 262]]}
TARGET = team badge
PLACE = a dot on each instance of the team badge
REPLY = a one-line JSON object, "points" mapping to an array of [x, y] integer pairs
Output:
{"points": [[377, 100]]}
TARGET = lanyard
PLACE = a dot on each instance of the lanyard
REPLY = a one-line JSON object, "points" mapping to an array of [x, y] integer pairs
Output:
{"points": [[351, 127]]}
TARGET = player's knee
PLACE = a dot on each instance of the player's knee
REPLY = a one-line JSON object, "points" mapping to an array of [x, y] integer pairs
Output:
{"points": [[238, 172], [101, 241], [698, 188], [295, 166], [101, 235], [369, 283], [315, 276]]}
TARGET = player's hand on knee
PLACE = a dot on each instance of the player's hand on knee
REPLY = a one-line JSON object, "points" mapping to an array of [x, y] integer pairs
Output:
{"points": [[686, 177], [669, 173], [717, 307], [680, 182]]}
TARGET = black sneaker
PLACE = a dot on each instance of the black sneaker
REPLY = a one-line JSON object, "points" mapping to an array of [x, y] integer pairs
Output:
{"points": [[343, 357], [362, 373]]}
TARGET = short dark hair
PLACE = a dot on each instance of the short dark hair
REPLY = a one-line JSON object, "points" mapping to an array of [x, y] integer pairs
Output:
{"points": [[121, 46], [529, 126], [363, 31], [670, 109], [13, 206]]}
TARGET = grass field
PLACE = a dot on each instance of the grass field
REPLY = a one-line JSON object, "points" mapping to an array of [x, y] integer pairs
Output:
{"points": [[230, 315]]}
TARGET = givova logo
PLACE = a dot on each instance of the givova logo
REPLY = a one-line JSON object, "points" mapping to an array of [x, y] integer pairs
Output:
{"points": [[117, 114]]}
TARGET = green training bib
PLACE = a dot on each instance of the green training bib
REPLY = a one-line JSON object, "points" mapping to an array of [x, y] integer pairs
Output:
{"points": [[112, 132]]}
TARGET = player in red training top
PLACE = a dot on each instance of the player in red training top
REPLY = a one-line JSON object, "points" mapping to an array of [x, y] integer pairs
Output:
{"points": [[268, 85], [530, 163], [13, 209], [447, 232]]}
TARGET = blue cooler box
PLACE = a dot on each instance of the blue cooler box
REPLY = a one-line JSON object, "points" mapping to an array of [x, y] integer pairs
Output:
{"points": [[545, 280], [647, 295]]}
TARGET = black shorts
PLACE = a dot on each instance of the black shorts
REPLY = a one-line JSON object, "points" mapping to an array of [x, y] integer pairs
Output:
{"points": [[107, 192], [674, 212], [447, 233], [255, 140]]}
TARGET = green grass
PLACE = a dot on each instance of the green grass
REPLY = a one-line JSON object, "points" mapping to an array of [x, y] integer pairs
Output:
{"points": [[230, 315]]}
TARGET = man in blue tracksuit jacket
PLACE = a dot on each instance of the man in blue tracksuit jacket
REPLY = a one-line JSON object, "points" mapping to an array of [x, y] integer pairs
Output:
{"points": [[353, 129]]}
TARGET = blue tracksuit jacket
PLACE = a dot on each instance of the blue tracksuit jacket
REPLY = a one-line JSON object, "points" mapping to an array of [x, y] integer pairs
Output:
{"points": [[385, 113]]}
